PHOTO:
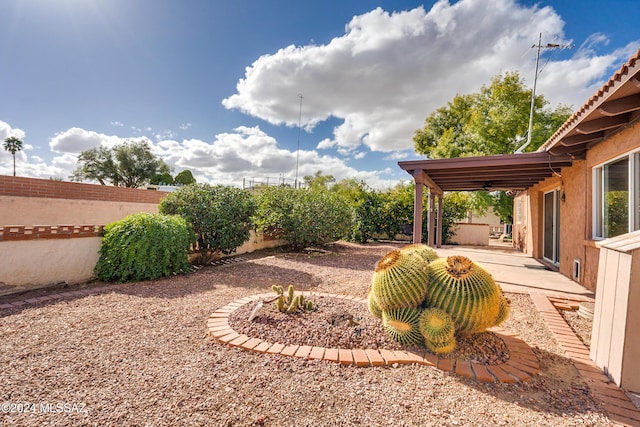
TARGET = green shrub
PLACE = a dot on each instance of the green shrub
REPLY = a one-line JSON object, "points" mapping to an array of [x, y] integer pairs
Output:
{"points": [[219, 215], [303, 217], [144, 246], [367, 213]]}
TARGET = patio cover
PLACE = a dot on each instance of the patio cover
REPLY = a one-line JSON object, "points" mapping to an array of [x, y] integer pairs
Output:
{"points": [[491, 173]]}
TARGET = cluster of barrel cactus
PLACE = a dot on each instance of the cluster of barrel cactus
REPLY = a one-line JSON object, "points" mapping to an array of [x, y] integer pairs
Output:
{"points": [[424, 299]]}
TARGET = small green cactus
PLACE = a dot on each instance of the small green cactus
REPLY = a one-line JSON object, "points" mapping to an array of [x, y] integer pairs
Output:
{"points": [[438, 330], [424, 251], [400, 280], [442, 348], [403, 325], [290, 302]]}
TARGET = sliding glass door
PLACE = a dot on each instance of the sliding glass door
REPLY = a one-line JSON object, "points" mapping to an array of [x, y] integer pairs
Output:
{"points": [[551, 242]]}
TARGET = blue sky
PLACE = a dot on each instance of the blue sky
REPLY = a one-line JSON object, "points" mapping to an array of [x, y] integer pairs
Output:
{"points": [[214, 85]]}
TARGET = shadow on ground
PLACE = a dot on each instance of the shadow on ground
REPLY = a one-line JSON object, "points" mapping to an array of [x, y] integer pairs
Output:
{"points": [[558, 389]]}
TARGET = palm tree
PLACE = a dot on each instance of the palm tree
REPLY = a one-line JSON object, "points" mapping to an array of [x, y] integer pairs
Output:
{"points": [[13, 145]]}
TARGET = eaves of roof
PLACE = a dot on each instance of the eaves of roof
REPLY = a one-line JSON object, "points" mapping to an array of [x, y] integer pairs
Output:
{"points": [[612, 108]]}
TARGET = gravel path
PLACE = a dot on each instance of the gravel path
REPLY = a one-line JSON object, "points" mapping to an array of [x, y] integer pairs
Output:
{"points": [[141, 356]]}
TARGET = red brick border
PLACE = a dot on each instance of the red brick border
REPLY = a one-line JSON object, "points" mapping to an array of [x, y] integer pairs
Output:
{"points": [[521, 366], [618, 406]]}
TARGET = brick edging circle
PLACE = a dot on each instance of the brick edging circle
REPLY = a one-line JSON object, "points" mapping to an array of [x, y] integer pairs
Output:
{"points": [[522, 365]]}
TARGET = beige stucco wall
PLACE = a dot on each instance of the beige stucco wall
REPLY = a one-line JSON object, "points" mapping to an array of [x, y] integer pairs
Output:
{"points": [[49, 261], [257, 242], [522, 238], [48, 211], [489, 217], [44, 262], [471, 234]]}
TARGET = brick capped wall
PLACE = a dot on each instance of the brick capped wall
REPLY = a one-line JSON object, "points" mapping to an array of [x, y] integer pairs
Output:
{"points": [[33, 187], [12, 233]]}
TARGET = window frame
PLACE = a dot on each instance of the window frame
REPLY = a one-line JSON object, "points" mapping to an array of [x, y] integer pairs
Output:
{"points": [[598, 207]]}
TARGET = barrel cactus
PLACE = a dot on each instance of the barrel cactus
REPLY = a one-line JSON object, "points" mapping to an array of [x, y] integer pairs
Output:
{"points": [[503, 312], [372, 305], [438, 330], [403, 325], [466, 291], [400, 280], [424, 251]]}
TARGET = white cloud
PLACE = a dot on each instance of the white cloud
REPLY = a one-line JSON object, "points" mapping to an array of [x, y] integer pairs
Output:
{"points": [[117, 123], [76, 140], [391, 70], [248, 153], [185, 126], [6, 131]]}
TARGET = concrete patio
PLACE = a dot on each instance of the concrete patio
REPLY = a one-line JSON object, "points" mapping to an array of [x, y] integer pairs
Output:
{"points": [[517, 272]]}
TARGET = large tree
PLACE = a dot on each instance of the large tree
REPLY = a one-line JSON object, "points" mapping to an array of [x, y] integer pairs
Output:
{"points": [[131, 164], [13, 144], [185, 178], [492, 121]]}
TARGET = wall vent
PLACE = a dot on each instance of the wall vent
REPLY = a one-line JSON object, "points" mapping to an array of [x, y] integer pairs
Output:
{"points": [[576, 270]]}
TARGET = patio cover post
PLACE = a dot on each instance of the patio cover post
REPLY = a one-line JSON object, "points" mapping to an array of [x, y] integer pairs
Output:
{"points": [[432, 207], [439, 232], [417, 208]]}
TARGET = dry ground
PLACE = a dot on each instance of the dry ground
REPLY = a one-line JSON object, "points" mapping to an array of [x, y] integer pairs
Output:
{"points": [[140, 355]]}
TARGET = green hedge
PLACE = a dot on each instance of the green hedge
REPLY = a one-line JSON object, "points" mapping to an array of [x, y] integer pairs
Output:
{"points": [[303, 217], [144, 246]]}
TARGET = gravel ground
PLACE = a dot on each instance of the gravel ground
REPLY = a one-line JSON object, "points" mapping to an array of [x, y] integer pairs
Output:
{"points": [[140, 355], [580, 325], [337, 323]]}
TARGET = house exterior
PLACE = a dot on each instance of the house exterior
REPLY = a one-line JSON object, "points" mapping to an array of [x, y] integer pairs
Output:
{"points": [[561, 219], [581, 186]]}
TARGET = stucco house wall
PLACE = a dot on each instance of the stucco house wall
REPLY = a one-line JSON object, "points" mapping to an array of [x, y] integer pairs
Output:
{"points": [[576, 210]]}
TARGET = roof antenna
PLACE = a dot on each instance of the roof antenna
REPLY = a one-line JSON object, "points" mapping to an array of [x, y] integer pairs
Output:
{"points": [[535, 82]]}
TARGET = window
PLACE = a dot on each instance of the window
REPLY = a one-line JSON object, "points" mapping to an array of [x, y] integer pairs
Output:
{"points": [[617, 197]]}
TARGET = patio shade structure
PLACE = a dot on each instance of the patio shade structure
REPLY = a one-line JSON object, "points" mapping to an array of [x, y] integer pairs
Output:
{"points": [[611, 109], [491, 173]]}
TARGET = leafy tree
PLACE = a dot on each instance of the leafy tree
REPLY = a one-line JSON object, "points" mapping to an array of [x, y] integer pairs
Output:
{"points": [[144, 246], [304, 217], [493, 121], [318, 181], [488, 122], [130, 164], [185, 178], [13, 144], [162, 179], [501, 203], [397, 211], [219, 215], [397, 208], [366, 204]]}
